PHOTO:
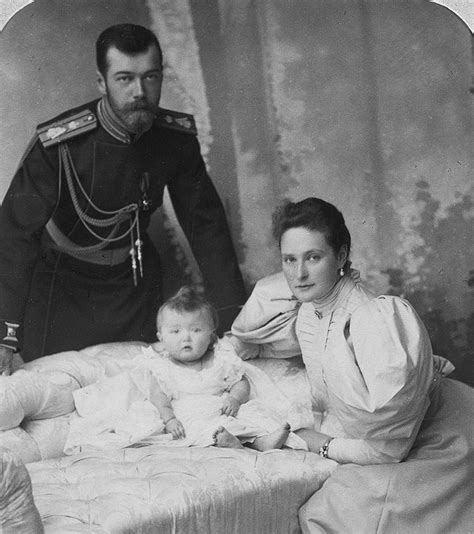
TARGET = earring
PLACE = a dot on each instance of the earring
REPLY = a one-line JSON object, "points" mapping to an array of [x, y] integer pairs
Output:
{"points": [[341, 271]]}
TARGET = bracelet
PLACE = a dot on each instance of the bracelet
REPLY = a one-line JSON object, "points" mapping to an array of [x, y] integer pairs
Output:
{"points": [[324, 449], [168, 420]]}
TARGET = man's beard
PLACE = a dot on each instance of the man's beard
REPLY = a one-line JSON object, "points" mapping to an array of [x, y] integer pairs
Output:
{"points": [[137, 117]]}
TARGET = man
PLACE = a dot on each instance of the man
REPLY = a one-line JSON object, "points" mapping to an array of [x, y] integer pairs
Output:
{"points": [[76, 265]]}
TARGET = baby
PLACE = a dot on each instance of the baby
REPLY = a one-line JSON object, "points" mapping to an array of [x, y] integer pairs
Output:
{"points": [[203, 395]]}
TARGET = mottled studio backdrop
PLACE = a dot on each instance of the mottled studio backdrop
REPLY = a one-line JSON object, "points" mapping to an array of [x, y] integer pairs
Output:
{"points": [[364, 103]]}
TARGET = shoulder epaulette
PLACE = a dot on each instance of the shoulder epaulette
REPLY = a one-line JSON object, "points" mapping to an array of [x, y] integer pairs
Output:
{"points": [[175, 120], [62, 129]]}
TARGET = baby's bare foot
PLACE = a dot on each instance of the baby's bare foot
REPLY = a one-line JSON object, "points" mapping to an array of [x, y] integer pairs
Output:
{"points": [[223, 438], [275, 440]]}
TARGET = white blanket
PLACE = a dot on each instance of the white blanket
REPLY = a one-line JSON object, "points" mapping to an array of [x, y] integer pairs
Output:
{"points": [[116, 412]]}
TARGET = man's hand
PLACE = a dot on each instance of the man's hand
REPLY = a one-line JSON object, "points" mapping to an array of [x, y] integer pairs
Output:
{"points": [[175, 428], [230, 405], [6, 360]]}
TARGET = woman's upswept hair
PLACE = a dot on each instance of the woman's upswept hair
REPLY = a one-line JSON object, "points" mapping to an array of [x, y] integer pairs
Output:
{"points": [[188, 299], [313, 214]]}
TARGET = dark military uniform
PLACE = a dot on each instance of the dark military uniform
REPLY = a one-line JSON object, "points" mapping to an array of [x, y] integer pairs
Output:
{"points": [[80, 201]]}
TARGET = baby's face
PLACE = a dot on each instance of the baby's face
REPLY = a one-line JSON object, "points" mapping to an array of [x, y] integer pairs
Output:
{"points": [[186, 335]]}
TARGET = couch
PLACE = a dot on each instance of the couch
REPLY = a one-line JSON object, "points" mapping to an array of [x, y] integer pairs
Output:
{"points": [[146, 488]]}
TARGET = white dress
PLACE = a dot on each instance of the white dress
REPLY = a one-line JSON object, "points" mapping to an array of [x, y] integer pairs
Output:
{"points": [[371, 370], [403, 433], [196, 397], [117, 412]]}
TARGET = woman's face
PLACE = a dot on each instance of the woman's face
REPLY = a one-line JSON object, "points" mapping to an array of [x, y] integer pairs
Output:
{"points": [[310, 265]]}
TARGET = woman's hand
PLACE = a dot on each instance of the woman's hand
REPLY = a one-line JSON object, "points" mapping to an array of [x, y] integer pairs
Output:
{"points": [[230, 405], [313, 438], [175, 428]]}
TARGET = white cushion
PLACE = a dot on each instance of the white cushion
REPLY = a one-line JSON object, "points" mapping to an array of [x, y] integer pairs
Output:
{"points": [[37, 401]]}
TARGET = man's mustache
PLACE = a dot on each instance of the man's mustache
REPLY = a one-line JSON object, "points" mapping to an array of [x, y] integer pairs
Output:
{"points": [[140, 105]]}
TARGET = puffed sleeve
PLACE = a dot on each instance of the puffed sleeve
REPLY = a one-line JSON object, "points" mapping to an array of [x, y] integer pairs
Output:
{"points": [[378, 369], [265, 326]]}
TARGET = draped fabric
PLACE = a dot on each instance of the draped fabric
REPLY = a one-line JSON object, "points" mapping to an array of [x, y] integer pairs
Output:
{"points": [[342, 101], [265, 326], [431, 491], [366, 104], [18, 512]]}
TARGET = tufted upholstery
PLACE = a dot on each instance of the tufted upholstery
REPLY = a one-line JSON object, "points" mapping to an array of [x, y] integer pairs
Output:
{"points": [[147, 489], [37, 401], [154, 489]]}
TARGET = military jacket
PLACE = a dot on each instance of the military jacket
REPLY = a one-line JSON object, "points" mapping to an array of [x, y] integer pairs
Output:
{"points": [[111, 171]]}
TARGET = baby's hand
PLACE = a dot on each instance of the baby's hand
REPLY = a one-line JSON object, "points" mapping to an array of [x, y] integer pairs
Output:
{"points": [[174, 427], [230, 405]]}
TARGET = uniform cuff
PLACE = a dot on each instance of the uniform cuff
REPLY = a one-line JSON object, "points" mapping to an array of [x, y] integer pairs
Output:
{"points": [[8, 335]]}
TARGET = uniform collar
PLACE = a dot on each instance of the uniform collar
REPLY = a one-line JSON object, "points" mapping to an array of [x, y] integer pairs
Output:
{"points": [[111, 123]]}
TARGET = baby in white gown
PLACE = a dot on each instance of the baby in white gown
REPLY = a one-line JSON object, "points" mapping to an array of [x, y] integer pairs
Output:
{"points": [[203, 395]]}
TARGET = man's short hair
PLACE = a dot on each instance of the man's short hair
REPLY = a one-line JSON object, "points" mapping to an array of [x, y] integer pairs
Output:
{"points": [[127, 38]]}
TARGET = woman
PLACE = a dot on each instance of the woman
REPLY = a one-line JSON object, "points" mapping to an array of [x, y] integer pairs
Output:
{"points": [[402, 434]]}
